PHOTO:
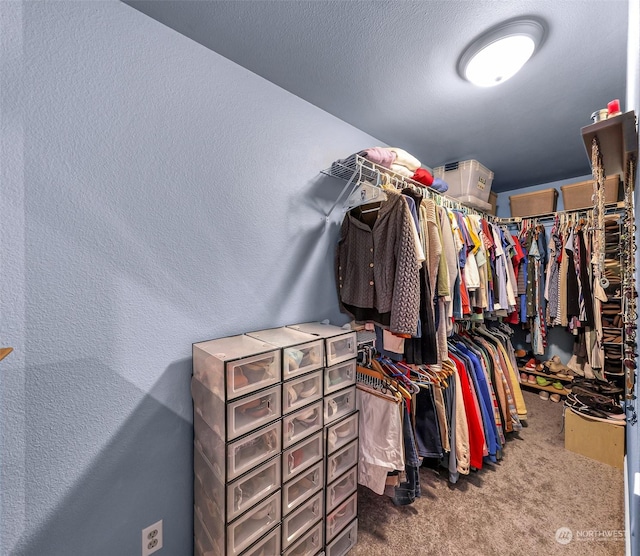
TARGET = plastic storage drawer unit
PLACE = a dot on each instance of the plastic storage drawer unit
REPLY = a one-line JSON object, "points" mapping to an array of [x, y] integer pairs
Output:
{"points": [[340, 344]]}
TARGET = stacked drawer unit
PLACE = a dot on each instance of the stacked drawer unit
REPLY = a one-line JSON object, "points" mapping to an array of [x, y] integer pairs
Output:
{"points": [[237, 395], [303, 467], [340, 435]]}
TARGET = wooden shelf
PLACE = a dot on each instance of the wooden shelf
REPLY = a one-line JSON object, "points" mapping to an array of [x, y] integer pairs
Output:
{"points": [[545, 375], [4, 352], [549, 388], [618, 141]]}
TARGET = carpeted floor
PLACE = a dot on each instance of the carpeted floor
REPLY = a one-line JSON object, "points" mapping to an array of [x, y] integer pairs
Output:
{"points": [[512, 508]]}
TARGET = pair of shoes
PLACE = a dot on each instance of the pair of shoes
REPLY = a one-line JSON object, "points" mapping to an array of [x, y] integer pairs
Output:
{"points": [[544, 395], [558, 368], [555, 398], [523, 377], [533, 365], [531, 379]]}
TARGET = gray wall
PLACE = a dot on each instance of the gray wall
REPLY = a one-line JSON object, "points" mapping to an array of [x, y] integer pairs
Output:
{"points": [[153, 194]]}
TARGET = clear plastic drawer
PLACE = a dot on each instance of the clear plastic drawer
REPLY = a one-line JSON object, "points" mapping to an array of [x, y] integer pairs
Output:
{"points": [[339, 376], [252, 450], [302, 487], [267, 546], [210, 444], [209, 407], [341, 348], [253, 487], [203, 544], [339, 518], [253, 373], [253, 524], [341, 433], [342, 488], [209, 485], [309, 544], [345, 541], [297, 523], [341, 461], [302, 423], [301, 391], [252, 412], [301, 456], [302, 359], [339, 404], [212, 520]]}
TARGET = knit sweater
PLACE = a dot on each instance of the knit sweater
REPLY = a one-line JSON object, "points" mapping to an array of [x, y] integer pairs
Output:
{"points": [[377, 270]]}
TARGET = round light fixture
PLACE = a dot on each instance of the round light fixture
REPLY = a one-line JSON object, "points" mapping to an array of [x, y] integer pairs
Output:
{"points": [[499, 53]]}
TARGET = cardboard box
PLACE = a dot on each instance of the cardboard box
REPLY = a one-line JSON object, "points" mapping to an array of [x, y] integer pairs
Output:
{"points": [[579, 195], [534, 203], [597, 440]]}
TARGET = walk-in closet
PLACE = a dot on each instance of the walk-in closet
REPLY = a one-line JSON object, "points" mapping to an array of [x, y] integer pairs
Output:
{"points": [[319, 278]]}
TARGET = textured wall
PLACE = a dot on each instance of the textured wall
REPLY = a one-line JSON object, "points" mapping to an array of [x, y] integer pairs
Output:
{"points": [[153, 194]]}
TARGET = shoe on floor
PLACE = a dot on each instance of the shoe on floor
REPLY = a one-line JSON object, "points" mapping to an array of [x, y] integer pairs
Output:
{"points": [[554, 398], [544, 395]]}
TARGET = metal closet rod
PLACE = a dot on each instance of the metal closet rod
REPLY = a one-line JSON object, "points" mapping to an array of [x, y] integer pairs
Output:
{"points": [[363, 168], [610, 209]]}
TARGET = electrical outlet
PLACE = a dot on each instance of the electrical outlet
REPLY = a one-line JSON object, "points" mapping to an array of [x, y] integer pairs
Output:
{"points": [[152, 538]]}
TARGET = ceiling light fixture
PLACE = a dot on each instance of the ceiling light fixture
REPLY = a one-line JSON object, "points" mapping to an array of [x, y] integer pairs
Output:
{"points": [[499, 53]]}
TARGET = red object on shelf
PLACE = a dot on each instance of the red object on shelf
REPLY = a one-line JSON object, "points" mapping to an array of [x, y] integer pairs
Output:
{"points": [[613, 108]]}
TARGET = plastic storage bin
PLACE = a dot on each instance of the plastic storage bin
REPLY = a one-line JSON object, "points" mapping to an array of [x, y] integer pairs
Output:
{"points": [[301, 352], [302, 487], [302, 423], [340, 462], [579, 195], [342, 488], [309, 544], [341, 433], [270, 544], [253, 449], [302, 456], [236, 366], [345, 541], [340, 344], [534, 203], [339, 404], [339, 518], [298, 522], [301, 391], [253, 524], [253, 487], [469, 182], [339, 376]]}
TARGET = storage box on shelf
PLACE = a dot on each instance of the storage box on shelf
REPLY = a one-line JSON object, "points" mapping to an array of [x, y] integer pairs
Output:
{"points": [[580, 195], [534, 203], [340, 436], [236, 389], [469, 182]]}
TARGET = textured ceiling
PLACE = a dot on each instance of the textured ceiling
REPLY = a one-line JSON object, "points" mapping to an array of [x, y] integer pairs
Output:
{"points": [[389, 68]]}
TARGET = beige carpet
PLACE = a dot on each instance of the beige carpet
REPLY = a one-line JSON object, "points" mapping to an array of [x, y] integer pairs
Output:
{"points": [[512, 508]]}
